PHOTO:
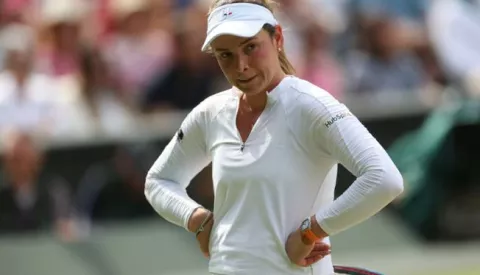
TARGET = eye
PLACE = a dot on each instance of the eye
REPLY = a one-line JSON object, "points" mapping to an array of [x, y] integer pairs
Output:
{"points": [[225, 55], [250, 48]]}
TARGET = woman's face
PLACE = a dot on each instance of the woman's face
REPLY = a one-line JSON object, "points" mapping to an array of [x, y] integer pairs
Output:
{"points": [[250, 64]]}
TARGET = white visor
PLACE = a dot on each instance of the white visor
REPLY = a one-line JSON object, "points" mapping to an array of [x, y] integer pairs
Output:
{"points": [[239, 19]]}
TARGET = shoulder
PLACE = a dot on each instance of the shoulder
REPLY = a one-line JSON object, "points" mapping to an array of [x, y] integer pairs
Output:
{"points": [[209, 108], [308, 105], [303, 95]]}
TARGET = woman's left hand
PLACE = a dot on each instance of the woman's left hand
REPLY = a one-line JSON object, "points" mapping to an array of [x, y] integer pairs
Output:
{"points": [[302, 253]]}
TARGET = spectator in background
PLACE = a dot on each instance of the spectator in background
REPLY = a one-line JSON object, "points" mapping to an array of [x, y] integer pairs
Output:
{"points": [[297, 16], [30, 199], [317, 64], [409, 11], [113, 190], [194, 75], [100, 104], [96, 104], [136, 51], [294, 21], [163, 15], [454, 28], [59, 54], [381, 64], [26, 96], [18, 11], [11, 13], [411, 36], [60, 48]]}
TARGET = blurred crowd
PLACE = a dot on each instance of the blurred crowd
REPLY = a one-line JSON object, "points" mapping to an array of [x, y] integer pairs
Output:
{"points": [[75, 68], [71, 67]]}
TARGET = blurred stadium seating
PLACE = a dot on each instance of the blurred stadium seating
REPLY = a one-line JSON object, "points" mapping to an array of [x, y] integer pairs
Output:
{"points": [[92, 90]]}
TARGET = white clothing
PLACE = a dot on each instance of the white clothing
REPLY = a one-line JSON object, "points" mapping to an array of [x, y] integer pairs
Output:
{"points": [[33, 110], [286, 172], [454, 27]]}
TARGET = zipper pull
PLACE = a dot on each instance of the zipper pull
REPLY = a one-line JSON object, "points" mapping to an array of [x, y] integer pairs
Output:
{"points": [[242, 147]]}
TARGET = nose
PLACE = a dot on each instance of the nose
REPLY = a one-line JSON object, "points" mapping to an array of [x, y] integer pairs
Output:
{"points": [[242, 63]]}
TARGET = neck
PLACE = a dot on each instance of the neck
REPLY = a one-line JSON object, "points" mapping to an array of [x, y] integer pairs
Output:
{"points": [[257, 101]]}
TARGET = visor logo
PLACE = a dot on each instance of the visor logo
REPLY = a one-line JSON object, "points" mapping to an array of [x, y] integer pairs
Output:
{"points": [[226, 13]]}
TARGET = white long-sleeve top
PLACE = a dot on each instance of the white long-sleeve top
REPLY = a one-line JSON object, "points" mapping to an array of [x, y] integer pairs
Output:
{"points": [[286, 172]]}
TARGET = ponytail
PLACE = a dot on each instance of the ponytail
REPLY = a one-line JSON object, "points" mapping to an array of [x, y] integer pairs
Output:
{"points": [[286, 65]]}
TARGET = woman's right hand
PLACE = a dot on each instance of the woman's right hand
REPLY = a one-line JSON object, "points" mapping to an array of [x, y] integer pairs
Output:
{"points": [[196, 220]]}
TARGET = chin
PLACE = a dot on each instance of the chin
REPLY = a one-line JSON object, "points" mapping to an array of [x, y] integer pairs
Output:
{"points": [[249, 90], [252, 88]]}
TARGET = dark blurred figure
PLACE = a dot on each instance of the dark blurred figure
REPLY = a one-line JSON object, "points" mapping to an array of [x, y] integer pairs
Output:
{"points": [[30, 200], [382, 63], [114, 190], [431, 65], [194, 75]]}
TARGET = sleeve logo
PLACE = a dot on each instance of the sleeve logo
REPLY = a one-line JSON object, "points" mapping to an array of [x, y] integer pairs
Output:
{"points": [[180, 135], [336, 118]]}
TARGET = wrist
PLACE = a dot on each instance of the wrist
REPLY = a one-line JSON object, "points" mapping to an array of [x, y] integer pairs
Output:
{"points": [[306, 241], [204, 224], [306, 231], [317, 229], [197, 218]]}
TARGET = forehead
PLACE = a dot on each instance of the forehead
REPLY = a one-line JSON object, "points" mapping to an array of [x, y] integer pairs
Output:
{"points": [[229, 42]]}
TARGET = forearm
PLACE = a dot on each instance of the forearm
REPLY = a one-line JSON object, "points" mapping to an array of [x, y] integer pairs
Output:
{"points": [[370, 193], [170, 200], [181, 160]]}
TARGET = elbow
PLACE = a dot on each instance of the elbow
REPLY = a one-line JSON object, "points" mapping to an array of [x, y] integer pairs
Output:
{"points": [[392, 183], [386, 181], [396, 185], [150, 184]]}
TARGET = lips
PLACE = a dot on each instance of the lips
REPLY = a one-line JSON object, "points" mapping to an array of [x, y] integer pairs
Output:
{"points": [[246, 80]]}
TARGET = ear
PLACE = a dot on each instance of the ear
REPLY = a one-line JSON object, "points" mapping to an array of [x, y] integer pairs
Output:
{"points": [[278, 37]]}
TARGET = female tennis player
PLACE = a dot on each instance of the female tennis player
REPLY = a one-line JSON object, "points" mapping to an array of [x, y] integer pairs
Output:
{"points": [[274, 141]]}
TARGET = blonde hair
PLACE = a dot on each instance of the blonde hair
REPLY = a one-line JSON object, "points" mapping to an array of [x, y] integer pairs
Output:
{"points": [[285, 64]]}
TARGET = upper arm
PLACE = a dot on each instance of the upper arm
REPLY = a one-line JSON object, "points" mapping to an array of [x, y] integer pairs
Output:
{"points": [[342, 137], [186, 154], [338, 134]]}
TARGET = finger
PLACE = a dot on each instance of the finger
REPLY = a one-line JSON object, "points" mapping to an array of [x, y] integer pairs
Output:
{"points": [[318, 253], [323, 250], [312, 260], [205, 252], [204, 247], [321, 246], [204, 239], [302, 263]]}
